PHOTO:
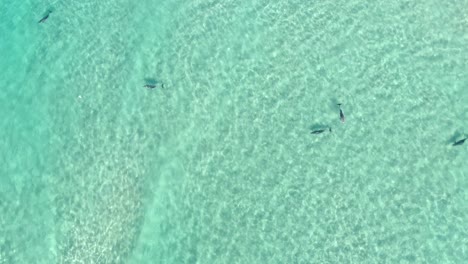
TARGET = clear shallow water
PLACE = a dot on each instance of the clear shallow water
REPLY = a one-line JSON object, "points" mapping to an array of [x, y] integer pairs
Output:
{"points": [[219, 166]]}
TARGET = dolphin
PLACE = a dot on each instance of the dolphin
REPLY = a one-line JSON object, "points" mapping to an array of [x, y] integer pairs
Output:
{"points": [[459, 142], [152, 86], [342, 117], [45, 17], [319, 131]]}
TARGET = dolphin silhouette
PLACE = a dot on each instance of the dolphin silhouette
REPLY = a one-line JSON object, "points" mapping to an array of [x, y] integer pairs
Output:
{"points": [[459, 142], [45, 17], [319, 131], [153, 85], [342, 117]]}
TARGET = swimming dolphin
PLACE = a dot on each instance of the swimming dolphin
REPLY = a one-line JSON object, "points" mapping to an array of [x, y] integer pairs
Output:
{"points": [[459, 142], [45, 18], [342, 117], [152, 86], [319, 131]]}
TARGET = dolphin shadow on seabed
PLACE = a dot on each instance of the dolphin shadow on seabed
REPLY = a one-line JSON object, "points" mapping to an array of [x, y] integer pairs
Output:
{"points": [[319, 129], [45, 17], [459, 142], [455, 139], [152, 83]]}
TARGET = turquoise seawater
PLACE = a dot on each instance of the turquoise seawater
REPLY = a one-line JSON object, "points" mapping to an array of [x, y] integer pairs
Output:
{"points": [[219, 166]]}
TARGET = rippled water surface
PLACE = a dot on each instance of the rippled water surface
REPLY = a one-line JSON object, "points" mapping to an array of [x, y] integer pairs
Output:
{"points": [[218, 165]]}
